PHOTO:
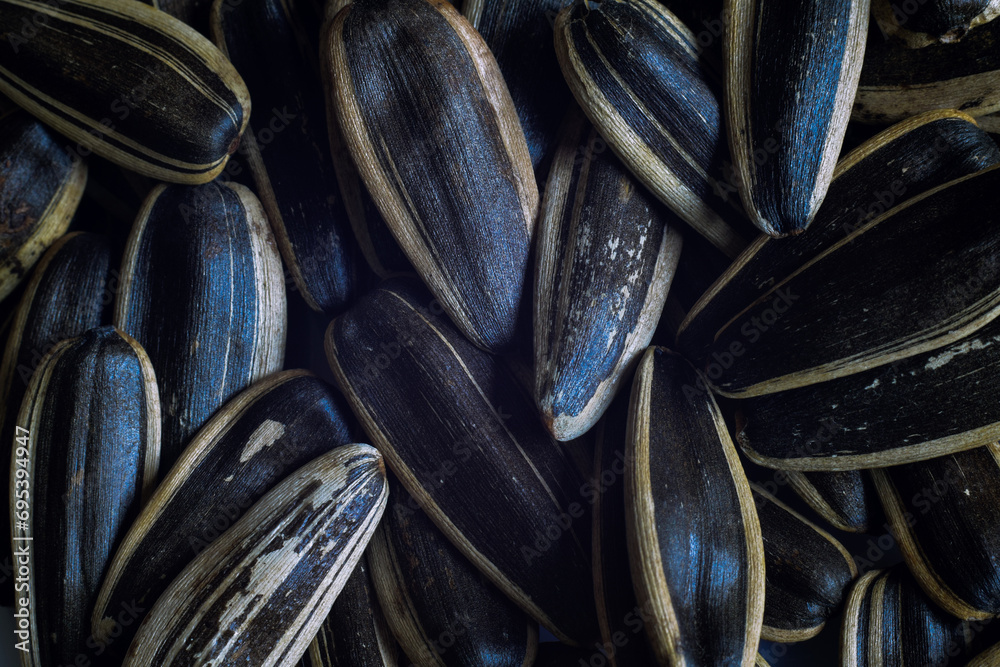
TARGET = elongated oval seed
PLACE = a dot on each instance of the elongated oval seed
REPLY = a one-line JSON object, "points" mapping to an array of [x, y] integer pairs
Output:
{"points": [[898, 164], [145, 91], [606, 258], [202, 290], [898, 82], [889, 620], [248, 447], [288, 148], [932, 21], [355, 633], [892, 313], [633, 67], [694, 539], [440, 608], [847, 499], [434, 134], [957, 496], [88, 440], [791, 75], [808, 572], [259, 593], [41, 188], [460, 433]]}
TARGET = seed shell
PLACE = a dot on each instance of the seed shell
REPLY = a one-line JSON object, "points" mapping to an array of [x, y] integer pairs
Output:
{"points": [[606, 258], [277, 425], [932, 21], [202, 289], [791, 75], [846, 499], [896, 165], [41, 188], [86, 458], [694, 540], [466, 621], [460, 433], [145, 91], [633, 67], [259, 593], [433, 131]]}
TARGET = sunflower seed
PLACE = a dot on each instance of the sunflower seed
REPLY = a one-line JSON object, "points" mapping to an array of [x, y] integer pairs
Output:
{"points": [[606, 257], [932, 21], [988, 658], [898, 82], [202, 290], [259, 593], [792, 71], [633, 67], [694, 540], [457, 623], [288, 149], [892, 314], [355, 634], [434, 134], [847, 500], [145, 91], [808, 571], [272, 428], [958, 496], [460, 433], [39, 193], [86, 456], [898, 164]]}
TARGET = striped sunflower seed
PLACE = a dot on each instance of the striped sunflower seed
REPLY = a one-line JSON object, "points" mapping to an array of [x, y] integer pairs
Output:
{"points": [[847, 500], [791, 75], [85, 459], [460, 433], [355, 634], [467, 621], [202, 290], [288, 150], [433, 131], [259, 593], [145, 91], [654, 104], [933, 21], [255, 440], [808, 572], [41, 188], [694, 539], [889, 169], [898, 82], [607, 252], [954, 496]]}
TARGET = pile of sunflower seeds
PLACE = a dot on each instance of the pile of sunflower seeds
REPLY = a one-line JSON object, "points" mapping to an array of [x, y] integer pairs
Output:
{"points": [[542, 332]]}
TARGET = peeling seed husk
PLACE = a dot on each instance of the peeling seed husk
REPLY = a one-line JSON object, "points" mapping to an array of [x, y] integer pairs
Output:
{"points": [[293, 172], [186, 106], [259, 593], [202, 289], [955, 496], [440, 608], [892, 314], [898, 82], [355, 633], [633, 67], [694, 540], [896, 165], [606, 258], [808, 572], [791, 75], [78, 476], [847, 500], [41, 188], [433, 131], [933, 21], [277, 425], [461, 434]]}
